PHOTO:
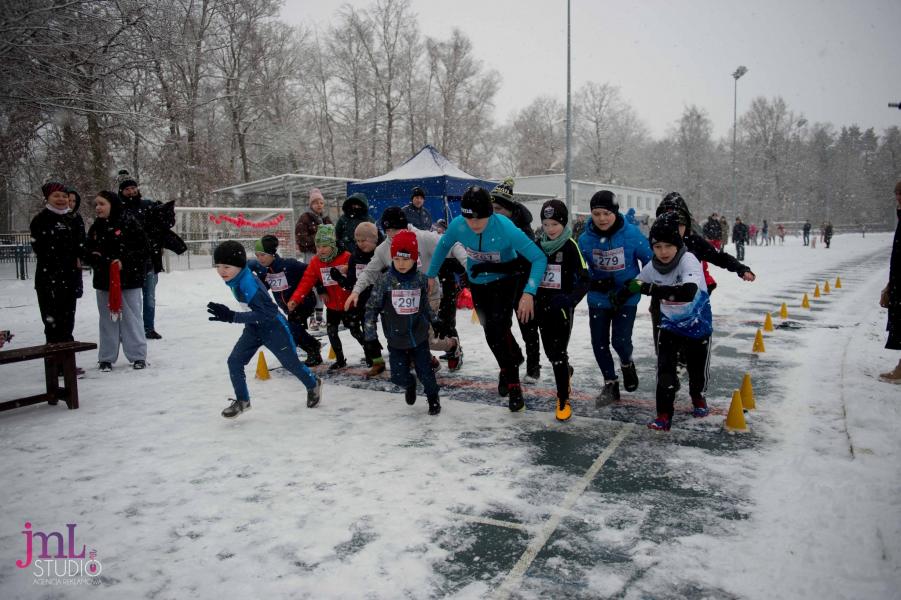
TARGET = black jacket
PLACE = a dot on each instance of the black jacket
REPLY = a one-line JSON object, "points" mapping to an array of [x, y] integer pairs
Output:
{"points": [[574, 276], [57, 242], [894, 292], [740, 232], [157, 220], [703, 250], [713, 230], [118, 237]]}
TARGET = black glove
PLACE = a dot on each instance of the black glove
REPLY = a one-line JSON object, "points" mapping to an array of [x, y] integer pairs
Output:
{"points": [[338, 276], [220, 312], [602, 285], [619, 298], [561, 301], [441, 329]]}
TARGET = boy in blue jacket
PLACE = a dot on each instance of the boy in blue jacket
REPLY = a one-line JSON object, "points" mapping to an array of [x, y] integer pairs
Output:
{"points": [[263, 326], [280, 275], [401, 297], [615, 251], [493, 238]]}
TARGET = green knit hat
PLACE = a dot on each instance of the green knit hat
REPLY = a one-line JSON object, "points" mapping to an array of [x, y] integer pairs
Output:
{"points": [[325, 236]]}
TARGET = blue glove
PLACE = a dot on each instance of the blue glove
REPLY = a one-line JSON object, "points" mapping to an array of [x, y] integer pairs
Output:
{"points": [[220, 312]]}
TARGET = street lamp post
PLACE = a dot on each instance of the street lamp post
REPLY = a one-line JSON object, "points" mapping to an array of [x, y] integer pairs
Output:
{"points": [[569, 120], [737, 75]]}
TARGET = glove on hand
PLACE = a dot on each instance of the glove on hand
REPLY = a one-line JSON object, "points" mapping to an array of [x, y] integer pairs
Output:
{"points": [[440, 328], [602, 285], [220, 312]]}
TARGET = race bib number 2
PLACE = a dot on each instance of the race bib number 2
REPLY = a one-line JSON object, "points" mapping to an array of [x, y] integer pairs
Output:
{"points": [[405, 302], [327, 276], [609, 260]]}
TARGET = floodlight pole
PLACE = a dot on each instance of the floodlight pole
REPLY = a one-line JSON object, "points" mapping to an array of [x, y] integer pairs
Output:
{"points": [[737, 75], [569, 121]]}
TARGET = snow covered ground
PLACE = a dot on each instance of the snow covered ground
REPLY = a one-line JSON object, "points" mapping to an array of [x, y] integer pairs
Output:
{"points": [[365, 497]]}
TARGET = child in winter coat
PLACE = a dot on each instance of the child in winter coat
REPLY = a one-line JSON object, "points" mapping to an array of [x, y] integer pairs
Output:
{"points": [[281, 276], [615, 252], [319, 271], [116, 244], [263, 326], [675, 278], [401, 297], [565, 283]]}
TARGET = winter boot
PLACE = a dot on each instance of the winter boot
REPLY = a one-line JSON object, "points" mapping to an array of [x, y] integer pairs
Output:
{"points": [[410, 392], [314, 394], [609, 394], [139, 364], [434, 406], [661, 423], [236, 408], [533, 371], [893, 376], [106, 367], [340, 363], [314, 359], [455, 357], [377, 368], [630, 377], [502, 389], [436, 364], [564, 410], [515, 401], [699, 409]]}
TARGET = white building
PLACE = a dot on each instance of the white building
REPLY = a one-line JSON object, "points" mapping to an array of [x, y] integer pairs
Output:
{"points": [[553, 185]]}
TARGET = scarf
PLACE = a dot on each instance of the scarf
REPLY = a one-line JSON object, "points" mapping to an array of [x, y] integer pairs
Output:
{"points": [[552, 245], [115, 292], [59, 211], [317, 218], [664, 268]]}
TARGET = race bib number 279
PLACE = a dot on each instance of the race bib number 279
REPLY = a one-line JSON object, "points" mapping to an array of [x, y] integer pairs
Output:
{"points": [[609, 260]]}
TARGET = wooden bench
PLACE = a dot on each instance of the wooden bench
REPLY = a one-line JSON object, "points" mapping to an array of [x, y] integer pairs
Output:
{"points": [[57, 357]]}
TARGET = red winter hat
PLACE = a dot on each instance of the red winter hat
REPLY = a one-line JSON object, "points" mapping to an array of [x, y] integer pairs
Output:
{"points": [[405, 245]]}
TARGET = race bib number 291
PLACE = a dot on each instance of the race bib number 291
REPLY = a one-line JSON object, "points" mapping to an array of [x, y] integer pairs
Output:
{"points": [[405, 302]]}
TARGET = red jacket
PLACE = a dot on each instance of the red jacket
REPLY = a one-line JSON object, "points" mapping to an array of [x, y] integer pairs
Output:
{"points": [[318, 272]]}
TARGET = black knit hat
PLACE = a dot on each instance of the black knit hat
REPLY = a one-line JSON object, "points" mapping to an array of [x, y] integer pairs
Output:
{"points": [[231, 253], [417, 191], [556, 210], [503, 193], [666, 229], [476, 203], [393, 218], [268, 244], [604, 199], [126, 180], [674, 202]]}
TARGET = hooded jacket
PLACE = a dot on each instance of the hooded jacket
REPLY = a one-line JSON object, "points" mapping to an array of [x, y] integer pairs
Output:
{"points": [[118, 237], [355, 211]]}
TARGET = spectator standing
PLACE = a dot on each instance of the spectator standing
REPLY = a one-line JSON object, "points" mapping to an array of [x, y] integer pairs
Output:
{"points": [[305, 237], [806, 232], [827, 234], [891, 295], [739, 237], [417, 214], [713, 232], [355, 211], [724, 226]]}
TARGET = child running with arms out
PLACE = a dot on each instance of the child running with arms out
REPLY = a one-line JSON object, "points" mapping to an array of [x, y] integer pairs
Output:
{"points": [[263, 326], [675, 278], [401, 297]]}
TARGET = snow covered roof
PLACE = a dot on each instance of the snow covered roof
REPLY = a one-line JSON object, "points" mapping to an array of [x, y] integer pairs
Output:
{"points": [[428, 162]]}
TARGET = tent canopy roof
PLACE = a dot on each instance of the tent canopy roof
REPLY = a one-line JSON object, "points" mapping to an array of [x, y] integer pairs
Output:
{"points": [[425, 164]]}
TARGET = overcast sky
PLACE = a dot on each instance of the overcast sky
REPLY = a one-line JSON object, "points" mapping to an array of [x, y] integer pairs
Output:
{"points": [[832, 60]]}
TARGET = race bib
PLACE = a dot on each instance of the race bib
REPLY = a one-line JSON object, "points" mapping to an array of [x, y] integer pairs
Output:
{"points": [[405, 302], [553, 277], [609, 260], [278, 282], [327, 276], [489, 257]]}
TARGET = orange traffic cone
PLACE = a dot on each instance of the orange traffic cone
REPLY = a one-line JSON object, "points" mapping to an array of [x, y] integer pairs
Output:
{"points": [[838, 283], [758, 343], [783, 312], [331, 353], [262, 369], [735, 420], [826, 288], [768, 323], [475, 317], [805, 303], [747, 393], [816, 291]]}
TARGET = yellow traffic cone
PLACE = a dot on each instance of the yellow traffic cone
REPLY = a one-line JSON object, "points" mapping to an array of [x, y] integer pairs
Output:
{"points": [[262, 369], [816, 291], [735, 420], [783, 312], [331, 353], [475, 317], [747, 393], [768, 323], [838, 283], [758, 343], [805, 303], [826, 288]]}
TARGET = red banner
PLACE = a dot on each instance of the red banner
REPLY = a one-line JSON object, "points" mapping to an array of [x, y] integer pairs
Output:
{"points": [[244, 223]]}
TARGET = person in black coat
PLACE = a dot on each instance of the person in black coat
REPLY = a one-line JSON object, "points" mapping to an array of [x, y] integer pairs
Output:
{"points": [[55, 240], [116, 237], [78, 222], [740, 237], [891, 295]]}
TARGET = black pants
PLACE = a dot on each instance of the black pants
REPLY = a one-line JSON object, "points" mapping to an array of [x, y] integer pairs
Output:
{"points": [[494, 307], [447, 277], [297, 323], [351, 320], [739, 251], [697, 354], [528, 330], [555, 326], [57, 306]]}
